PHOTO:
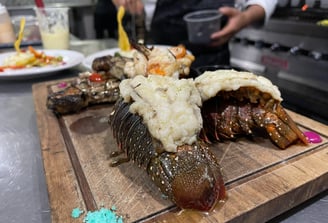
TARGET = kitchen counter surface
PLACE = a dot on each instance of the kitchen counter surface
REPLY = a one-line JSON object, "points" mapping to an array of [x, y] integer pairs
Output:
{"points": [[23, 189]]}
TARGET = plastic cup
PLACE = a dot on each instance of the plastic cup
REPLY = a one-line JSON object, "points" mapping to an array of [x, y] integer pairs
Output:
{"points": [[54, 27], [201, 24]]}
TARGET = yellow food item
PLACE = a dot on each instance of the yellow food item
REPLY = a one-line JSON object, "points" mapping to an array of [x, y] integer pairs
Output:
{"points": [[123, 40], [20, 35], [19, 59], [30, 58]]}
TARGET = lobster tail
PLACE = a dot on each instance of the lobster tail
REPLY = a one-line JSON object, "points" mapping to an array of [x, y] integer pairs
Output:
{"points": [[190, 177], [131, 134], [237, 103]]}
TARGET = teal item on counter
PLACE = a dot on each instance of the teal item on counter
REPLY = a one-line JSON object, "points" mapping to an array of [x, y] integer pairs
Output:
{"points": [[103, 216], [76, 212]]}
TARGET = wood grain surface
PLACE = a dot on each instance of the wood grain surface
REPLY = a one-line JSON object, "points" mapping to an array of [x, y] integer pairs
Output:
{"points": [[262, 180]]}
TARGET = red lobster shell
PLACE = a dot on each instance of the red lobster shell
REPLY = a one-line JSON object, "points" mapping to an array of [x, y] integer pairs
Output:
{"points": [[190, 177]]}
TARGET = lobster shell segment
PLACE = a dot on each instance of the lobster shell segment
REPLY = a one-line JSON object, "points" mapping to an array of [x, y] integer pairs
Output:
{"points": [[190, 177], [236, 103]]}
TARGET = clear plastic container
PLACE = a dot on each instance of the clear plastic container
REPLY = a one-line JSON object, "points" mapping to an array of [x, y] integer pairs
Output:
{"points": [[201, 24], [7, 34]]}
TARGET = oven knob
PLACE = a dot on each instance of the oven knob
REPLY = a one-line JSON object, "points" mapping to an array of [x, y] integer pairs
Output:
{"points": [[259, 44], [244, 41], [315, 55], [275, 47], [295, 50]]}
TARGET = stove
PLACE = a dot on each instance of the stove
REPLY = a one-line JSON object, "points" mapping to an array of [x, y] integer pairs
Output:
{"points": [[292, 51]]}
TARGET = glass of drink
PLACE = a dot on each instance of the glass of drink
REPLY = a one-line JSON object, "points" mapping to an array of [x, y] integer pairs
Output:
{"points": [[54, 27]]}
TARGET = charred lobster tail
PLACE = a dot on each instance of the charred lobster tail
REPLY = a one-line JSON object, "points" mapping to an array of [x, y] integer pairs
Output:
{"points": [[190, 177], [87, 89], [68, 100]]}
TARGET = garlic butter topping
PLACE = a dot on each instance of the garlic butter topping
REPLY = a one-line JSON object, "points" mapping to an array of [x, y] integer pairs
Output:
{"points": [[211, 82], [169, 108]]}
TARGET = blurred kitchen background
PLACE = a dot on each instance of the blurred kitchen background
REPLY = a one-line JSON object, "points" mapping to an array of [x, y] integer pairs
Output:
{"points": [[291, 50]]}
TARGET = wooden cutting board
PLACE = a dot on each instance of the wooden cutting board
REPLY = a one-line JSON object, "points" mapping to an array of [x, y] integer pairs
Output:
{"points": [[262, 180]]}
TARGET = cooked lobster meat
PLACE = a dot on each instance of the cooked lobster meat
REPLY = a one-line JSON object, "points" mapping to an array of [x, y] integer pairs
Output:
{"points": [[165, 61], [236, 103]]}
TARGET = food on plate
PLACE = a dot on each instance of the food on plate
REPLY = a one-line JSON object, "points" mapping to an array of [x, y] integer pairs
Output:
{"points": [[30, 58], [111, 65], [89, 88], [170, 61], [236, 103], [143, 60]]}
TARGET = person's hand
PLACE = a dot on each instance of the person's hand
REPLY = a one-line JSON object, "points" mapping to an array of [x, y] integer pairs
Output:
{"points": [[235, 23], [131, 6], [237, 20]]}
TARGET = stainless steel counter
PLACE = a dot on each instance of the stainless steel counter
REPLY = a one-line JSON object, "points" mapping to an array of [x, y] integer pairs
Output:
{"points": [[23, 190]]}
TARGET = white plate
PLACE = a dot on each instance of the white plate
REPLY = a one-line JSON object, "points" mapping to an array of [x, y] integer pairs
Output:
{"points": [[70, 58], [87, 62]]}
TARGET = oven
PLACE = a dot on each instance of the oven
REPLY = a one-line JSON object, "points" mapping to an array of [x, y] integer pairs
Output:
{"points": [[292, 51]]}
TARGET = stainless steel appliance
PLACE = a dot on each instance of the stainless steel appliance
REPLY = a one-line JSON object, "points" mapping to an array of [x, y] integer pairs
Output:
{"points": [[292, 51]]}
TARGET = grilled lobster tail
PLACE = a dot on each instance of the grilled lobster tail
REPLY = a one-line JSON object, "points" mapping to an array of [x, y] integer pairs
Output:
{"points": [[82, 93], [248, 103], [227, 119], [190, 177]]}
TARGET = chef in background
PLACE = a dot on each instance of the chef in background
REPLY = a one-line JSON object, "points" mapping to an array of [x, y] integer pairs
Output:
{"points": [[169, 28]]}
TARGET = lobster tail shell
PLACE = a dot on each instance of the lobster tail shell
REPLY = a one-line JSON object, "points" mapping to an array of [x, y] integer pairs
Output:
{"points": [[131, 134], [227, 118], [190, 177]]}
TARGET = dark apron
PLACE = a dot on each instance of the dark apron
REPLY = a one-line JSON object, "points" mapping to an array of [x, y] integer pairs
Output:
{"points": [[169, 28]]}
